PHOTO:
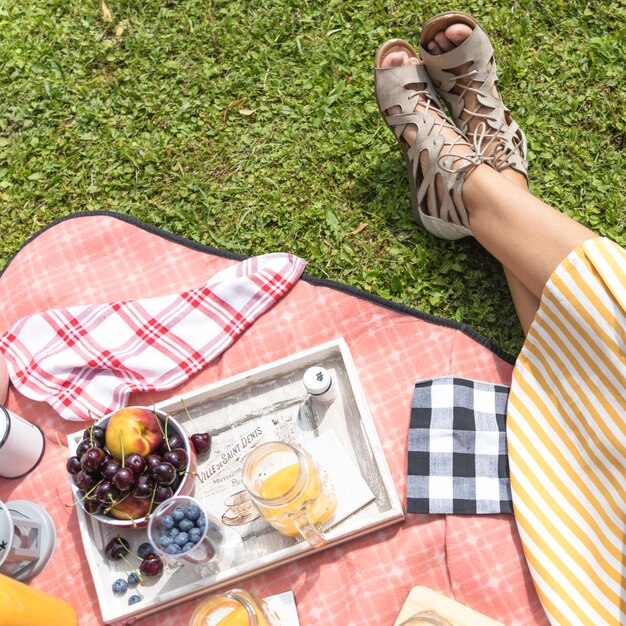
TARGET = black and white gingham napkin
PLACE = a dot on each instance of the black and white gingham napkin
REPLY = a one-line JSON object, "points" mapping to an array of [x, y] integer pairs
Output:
{"points": [[457, 448]]}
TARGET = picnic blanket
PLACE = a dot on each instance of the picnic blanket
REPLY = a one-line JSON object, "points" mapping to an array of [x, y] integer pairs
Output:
{"points": [[476, 559]]}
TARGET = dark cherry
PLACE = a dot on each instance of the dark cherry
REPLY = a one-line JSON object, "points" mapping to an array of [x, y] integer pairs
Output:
{"points": [[152, 460], [73, 465], [95, 434], [116, 548], [124, 479], [164, 473], [174, 440], [135, 463], [85, 481], [82, 447], [109, 468], [201, 442], [106, 493], [93, 459], [163, 493], [143, 487], [151, 565], [177, 457]]}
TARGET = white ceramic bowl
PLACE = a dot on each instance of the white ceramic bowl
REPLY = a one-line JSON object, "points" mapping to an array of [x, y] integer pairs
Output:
{"points": [[185, 487]]}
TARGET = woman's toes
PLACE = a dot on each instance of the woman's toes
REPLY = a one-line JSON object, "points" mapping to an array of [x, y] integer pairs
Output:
{"points": [[457, 33], [444, 43], [394, 59], [433, 47]]}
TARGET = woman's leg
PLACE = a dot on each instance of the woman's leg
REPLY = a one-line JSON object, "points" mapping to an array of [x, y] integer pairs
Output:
{"points": [[526, 235], [526, 303], [525, 280]]}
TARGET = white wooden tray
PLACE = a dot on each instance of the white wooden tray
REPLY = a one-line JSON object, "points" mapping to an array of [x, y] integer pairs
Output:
{"points": [[266, 403]]}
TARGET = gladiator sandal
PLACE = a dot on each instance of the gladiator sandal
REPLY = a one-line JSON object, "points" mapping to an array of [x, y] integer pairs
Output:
{"points": [[470, 68], [436, 173]]}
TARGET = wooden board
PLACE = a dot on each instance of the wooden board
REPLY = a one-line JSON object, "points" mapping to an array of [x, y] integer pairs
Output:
{"points": [[423, 599]]}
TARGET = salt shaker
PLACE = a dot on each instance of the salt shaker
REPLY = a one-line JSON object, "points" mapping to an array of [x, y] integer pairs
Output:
{"points": [[319, 383]]}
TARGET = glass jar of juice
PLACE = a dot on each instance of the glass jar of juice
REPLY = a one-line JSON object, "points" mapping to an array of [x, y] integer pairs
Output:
{"points": [[290, 491], [234, 608]]}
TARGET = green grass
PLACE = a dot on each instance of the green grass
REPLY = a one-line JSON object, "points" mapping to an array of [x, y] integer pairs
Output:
{"points": [[252, 127]]}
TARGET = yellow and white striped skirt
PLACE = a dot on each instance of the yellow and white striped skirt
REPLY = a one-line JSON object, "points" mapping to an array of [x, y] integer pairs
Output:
{"points": [[566, 432]]}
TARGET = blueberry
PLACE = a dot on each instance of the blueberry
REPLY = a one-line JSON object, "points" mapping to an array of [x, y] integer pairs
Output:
{"points": [[193, 512], [188, 546], [134, 600], [178, 513], [133, 579], [195, 534], [168, 521], [172, 532], [185, 524], [120, 586], [165, 541], [201, 522], [181, 539], [173, 549], [144, 550]]}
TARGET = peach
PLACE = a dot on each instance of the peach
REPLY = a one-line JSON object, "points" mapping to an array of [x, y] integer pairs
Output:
{"points": [[133, 430], [131, 508]]}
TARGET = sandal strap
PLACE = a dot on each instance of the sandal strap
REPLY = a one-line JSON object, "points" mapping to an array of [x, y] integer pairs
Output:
{"points": [[395, 87], [496, 126], [450, 206]]}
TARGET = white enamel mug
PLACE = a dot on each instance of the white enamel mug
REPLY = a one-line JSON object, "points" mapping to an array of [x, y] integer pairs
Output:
{"points": [[22, 445]]}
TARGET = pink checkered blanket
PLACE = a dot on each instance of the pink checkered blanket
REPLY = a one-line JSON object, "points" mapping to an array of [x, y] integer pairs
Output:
{"points": [[476, 559]]}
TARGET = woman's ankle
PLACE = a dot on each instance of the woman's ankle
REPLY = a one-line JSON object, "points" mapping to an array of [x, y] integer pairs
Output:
{"points": [[478, 185]]}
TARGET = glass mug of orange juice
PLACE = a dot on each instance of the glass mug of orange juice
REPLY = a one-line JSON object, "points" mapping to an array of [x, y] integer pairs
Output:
{"points": [[289, 490], [234, 608]]}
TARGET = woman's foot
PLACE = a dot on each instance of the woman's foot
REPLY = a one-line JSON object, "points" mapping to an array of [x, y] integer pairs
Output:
{"points": [[465, 78], [438, 156]]}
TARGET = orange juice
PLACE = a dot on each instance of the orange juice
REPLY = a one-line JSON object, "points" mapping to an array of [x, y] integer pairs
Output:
{"points": [[22, 605], [289, 490], [234, 608], [318, 505]]}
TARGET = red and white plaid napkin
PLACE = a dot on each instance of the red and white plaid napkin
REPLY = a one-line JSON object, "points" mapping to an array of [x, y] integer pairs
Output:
{"points": [[85, 360]]}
